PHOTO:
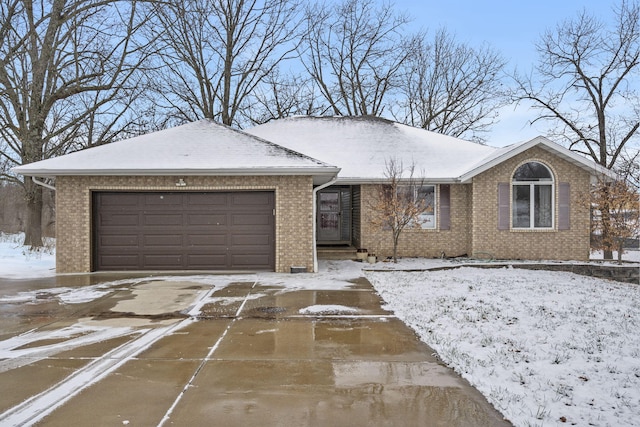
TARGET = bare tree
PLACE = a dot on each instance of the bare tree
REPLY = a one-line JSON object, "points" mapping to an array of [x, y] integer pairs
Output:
{"points": [[214, 53], [451, 87], [612, 229], [280, 96], [61, 63], [353, 52], [586, 85], [399, 203]]}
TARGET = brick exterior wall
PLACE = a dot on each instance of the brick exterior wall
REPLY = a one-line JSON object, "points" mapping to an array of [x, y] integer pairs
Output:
{"points": [[474, 219], [429, 243], [572, 244], [293, 222]]}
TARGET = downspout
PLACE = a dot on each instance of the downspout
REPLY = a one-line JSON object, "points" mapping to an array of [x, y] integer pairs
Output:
{"points": [[315, 219], [43, 184]]}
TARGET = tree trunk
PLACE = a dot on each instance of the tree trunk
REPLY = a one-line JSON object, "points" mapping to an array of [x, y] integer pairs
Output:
{"points": [[396, 237], [33, 230], [605, 211], [620, 250]]}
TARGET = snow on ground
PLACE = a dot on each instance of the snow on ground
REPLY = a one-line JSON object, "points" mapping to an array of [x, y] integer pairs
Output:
{"points": [[328, 309], [332, 275], [545, 348], [20, 262]]}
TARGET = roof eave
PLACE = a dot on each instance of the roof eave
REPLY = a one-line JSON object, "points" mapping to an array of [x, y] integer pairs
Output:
{"points": [[329, 170], [364, 181], [546, 144]]}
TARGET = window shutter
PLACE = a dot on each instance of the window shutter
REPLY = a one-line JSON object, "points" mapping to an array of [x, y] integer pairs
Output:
{"points": [[503, 206], [564, 202], [445, 207]]}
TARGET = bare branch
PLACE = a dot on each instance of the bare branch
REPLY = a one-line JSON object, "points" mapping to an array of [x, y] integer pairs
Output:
{"points": [[587, 81], [215, 53], [64, 65], [451, 88], [354, 52]]}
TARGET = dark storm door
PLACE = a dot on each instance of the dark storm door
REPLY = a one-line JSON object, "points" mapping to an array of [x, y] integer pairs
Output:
{"points": [[329, 223], [184, 230]]}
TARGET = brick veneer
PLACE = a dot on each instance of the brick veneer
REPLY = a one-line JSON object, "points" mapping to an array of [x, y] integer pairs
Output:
{"points": [[293, 222], [418, 242], [474, 219], [572, 244]]}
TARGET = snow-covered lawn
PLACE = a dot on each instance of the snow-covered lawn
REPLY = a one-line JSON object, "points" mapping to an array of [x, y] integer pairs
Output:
{"points": [[20, 262], [545, 348]]}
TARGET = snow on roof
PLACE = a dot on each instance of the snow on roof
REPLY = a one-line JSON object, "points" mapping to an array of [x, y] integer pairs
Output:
{"points": [[509, 151], [197, 148], [362, 146]]}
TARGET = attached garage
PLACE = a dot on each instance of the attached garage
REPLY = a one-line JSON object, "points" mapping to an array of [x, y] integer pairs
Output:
{"points": [[200, 196], [184, 230]]}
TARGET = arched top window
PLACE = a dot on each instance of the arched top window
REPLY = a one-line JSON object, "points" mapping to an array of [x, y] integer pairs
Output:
{"points": [[532, 171], [532, 197]]}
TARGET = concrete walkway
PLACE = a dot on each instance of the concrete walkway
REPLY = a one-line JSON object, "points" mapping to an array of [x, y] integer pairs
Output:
{"points": [[249, 357]]}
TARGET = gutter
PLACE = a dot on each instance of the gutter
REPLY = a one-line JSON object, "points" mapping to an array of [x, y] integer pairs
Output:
{"points": [[315, 218], [258, 171], [42, 183]]}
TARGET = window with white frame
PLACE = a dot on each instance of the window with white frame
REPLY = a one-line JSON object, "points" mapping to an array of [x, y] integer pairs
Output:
{"points": [[427, 195], [532, 197]]}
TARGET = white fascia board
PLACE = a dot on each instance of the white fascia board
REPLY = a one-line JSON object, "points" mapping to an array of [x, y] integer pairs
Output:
{"points": [[364, 181], [329, 171], [560, 151]]}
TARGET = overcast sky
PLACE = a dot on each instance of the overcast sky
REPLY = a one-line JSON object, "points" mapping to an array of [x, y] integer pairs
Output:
{"points": [[511, 27]]}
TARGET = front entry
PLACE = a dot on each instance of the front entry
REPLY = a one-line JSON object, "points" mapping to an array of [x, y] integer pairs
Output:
{"points": [[334, 216]]}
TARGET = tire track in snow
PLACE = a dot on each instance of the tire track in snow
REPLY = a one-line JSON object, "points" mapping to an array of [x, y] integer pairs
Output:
{"points": [[15, 355], [39, 406]]}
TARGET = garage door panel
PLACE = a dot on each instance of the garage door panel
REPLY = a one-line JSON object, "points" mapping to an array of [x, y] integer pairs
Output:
{"points": [[161, 219], [115, 201], [249, 260], [208, 199], [207, 240], [251, 219], [182, 230], [163, 261], [252, 199], [251, 241], [166, 200], [116, 219], [119, 240], [117, 260], [207, 219], [163, 240], [204, 262]]}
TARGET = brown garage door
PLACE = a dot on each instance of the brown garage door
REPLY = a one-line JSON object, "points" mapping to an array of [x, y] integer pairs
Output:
{"points": [[184, 231]]}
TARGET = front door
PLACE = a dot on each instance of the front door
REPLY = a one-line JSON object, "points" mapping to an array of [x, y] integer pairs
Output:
{"points": [[329, 215]]}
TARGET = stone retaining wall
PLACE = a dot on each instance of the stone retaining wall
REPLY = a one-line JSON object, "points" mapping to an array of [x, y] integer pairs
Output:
{"points": [[619, 273]]}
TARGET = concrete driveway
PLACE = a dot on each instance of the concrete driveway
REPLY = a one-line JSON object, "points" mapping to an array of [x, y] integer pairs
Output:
{"points": [[237, 350]]}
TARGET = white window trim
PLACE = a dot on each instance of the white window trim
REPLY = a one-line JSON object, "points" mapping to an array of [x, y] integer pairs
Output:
{"points": [[532, 185], [435, 206], [436, 201]]}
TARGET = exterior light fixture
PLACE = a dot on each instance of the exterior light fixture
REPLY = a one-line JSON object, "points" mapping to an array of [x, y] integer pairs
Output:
{"points": [[181, 183]]}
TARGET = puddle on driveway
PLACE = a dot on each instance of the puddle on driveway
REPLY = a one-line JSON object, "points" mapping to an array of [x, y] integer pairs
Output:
{"points": [[299, 338], [276, 303], [330, 393], [266, 364]]}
